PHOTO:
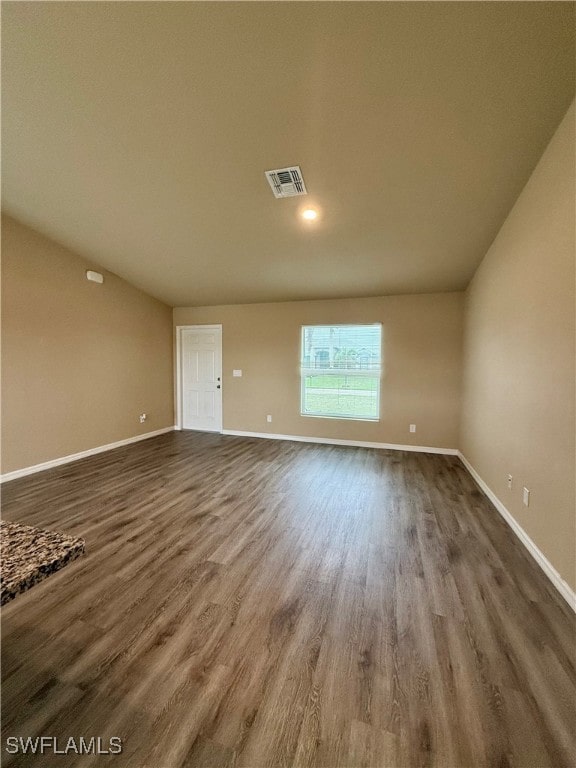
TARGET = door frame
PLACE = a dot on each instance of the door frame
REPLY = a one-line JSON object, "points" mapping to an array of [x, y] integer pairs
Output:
{"points": [[179, 329]]}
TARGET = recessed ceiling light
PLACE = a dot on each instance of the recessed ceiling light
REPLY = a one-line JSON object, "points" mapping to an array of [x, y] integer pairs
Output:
{"points": [[310, 214]]}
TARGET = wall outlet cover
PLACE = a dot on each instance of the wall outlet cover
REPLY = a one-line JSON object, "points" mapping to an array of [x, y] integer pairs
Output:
{"points": [[526, 496]]}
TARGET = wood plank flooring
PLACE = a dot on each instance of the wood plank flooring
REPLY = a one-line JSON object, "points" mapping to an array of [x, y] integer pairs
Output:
{"points": [[257, 603]]}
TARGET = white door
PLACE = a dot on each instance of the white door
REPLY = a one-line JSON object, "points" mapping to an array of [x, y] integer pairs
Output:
{"points": [[201, 383]]}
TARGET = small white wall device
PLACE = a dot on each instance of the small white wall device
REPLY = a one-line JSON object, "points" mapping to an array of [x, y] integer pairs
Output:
{"points": [[95, 277]]}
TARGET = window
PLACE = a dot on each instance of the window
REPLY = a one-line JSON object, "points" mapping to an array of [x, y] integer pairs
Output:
{"points": [[340, 367]]}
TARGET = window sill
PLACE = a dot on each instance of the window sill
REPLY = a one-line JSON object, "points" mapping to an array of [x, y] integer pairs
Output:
{"points": [[339, 418]]}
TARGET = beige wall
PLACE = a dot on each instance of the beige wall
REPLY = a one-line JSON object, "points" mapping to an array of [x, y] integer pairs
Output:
{"points": [[422, 337], [519, 369], [80, 361]]}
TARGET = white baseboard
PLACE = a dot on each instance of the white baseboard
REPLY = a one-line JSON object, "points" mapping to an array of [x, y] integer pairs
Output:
{"points": [[334, 441], [76, 456], [563, 587]]}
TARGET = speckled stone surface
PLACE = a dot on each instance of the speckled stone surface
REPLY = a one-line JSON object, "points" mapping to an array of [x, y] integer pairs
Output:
{"points": [[30, 555]]}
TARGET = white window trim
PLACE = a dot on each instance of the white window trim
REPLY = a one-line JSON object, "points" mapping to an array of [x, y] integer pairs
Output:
{"points": [[366, 372]]}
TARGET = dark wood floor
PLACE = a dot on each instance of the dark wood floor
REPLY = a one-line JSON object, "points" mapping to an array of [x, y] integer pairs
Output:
{"points": [[259, 603]]}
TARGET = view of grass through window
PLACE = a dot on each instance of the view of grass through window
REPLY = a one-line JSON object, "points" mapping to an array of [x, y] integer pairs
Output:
{"points": [[340, 369]]}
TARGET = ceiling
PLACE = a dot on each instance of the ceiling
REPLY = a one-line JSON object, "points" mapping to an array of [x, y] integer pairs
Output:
{"points": [[138, 134]]}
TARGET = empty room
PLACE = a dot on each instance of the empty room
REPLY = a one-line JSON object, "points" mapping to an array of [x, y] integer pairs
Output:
{"points": [[288, 370]]}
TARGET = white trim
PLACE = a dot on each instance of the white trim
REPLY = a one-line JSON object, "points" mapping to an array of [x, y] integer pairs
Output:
{"points": [[334, 441], [82, 455], [562, 586], [179, 329], [372, 373]]}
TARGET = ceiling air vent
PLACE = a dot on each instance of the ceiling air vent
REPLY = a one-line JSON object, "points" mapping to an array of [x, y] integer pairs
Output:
{"points": [[286, 182]]}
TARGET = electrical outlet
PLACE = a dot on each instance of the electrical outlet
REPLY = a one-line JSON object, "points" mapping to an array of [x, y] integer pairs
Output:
{"points": [[412, 427], [509, 482], [526, 496], [143, 417], [269, 418]]}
